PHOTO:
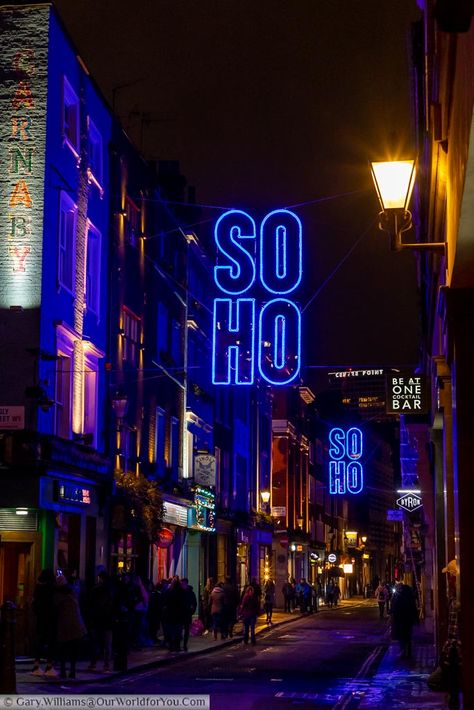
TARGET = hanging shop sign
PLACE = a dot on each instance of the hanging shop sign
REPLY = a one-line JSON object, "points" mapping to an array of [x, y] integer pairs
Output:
{"points": [[23, 93], [332, 558], [257, 323], [165, 538], [410, 502], [175, 514], [406, 393], [346, 472], [351, 538], [205, 469], [203, 515]]}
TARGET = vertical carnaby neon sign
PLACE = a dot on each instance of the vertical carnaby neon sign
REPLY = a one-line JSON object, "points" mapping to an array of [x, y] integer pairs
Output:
{"points": [[257, 324]]}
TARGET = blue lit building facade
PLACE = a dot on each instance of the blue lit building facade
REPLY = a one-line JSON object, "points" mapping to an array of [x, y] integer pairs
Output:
{"points": [[53, 306]]}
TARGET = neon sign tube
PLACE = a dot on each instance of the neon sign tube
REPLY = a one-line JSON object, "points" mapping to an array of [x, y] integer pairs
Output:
{"points": [[346, 473], [249, 334]]}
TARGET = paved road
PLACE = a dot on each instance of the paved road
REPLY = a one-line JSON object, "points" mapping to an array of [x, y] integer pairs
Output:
{"points": [[320, 661]]}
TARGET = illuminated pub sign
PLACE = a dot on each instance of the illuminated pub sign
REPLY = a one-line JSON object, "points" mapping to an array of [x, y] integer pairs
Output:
{"points": [[23, 87], [346, 472], [257, 324], [406, 394]]}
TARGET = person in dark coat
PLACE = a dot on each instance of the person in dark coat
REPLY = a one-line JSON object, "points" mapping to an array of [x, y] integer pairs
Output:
{"points": [[71, 628], [404, 616], [231, 602], [248, 611], [288, 595], [217, 610], [174, 613], [101, 621], [46, 623], [191, 605], [155, 610]]}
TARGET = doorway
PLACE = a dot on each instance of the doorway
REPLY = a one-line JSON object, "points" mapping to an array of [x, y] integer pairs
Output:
{"points": [[17, 580]]}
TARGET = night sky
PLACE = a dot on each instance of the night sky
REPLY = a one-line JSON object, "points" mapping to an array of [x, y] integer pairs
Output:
{"points": [[270, 104]]}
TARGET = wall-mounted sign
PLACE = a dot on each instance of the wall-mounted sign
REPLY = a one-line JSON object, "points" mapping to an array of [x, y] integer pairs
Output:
{"points": [[407, 394], [346, 473], [12, 417], [395, 515], [175, 514], [410, 502], [23, 93], [279, 511], [351, 538], [249, 333], [68, 492], [332, 558], [205, 469]]}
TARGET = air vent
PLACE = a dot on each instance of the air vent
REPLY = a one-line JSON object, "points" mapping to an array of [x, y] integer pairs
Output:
{"points": [[9, 520]]}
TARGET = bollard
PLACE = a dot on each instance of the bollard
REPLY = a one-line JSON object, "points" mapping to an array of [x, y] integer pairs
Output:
{"points": [[7, 648]]}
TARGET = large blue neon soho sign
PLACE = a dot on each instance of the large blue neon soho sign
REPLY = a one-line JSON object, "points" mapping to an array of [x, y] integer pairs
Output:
{"points": [[239, 321], [346, 473]]}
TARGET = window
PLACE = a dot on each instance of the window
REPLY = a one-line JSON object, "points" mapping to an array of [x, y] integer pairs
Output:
{"points": [[130, 337], [160, 441], [95, 152], [174, 446], [67, 238], [70, 117], [91, 373], [62, 420], [128, 448], [132, 222], [93, 270]]}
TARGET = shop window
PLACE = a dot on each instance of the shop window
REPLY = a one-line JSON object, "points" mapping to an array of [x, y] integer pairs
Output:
{"points": [[67, 242], [70, 126], [93, 279]]}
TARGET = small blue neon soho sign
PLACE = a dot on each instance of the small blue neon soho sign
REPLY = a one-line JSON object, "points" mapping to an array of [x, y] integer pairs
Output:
{"points": [[249, 333], [346, 473]]}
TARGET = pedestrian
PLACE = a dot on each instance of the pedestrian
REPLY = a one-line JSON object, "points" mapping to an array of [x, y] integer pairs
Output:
{"points": [[269, 599], [191, 605], [303, 593], [46, 623], [101, 620], [217, 610], [404, 616], [258, 591], [381, 597], [175, 611], [389, 593], [248, 612], [71, 627], [155, 608], [337, 593], [122, 621], [288, 596], [140, 612], [330, 594], [231, 602], [206, 617]]}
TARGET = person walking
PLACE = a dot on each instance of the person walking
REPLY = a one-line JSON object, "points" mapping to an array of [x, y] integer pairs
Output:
{"points": [[248, 612], [337, 593], [404, 616], [381, 597], [206, 605], [330, 594], [45, 614], [217, 610], [191, 605], [269, 599], [231, 602], [101, 613], [175, 612], [71, 627], [288, 596]]}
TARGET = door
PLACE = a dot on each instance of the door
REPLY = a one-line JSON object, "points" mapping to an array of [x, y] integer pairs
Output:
{"points": [[16, 585]]}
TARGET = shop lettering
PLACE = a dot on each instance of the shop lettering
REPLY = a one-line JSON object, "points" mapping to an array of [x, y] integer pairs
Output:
{"points": [[406, 395], [248, 332]]}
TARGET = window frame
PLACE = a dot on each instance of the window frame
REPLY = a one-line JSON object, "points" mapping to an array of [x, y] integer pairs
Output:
{"points": [[94, 308], [70, 99], [94, 138], [64, 199], [130, 345]]}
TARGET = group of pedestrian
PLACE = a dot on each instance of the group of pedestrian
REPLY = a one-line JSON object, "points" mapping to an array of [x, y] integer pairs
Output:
{"points": [[383, 595], [118, 613], [300, 595], [400, 604]]}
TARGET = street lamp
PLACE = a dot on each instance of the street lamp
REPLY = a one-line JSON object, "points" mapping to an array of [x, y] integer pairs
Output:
{"points": [[394, 181], [265, 496]]}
